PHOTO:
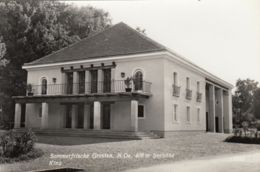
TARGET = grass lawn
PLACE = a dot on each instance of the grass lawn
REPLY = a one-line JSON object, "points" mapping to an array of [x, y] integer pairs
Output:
{"points": [[184, 146]]}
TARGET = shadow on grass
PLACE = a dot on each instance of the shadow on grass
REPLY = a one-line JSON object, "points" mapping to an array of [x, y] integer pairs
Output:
{"points": [[63, 140]]}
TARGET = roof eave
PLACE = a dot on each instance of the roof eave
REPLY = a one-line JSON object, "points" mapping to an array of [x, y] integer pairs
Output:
{"points": [[205, 73]]}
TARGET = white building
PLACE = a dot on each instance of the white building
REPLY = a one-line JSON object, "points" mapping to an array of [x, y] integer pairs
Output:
{"points": [[84, 86]]}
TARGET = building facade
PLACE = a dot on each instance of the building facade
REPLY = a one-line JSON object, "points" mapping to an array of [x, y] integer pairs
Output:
{"points": [[120, 80]]}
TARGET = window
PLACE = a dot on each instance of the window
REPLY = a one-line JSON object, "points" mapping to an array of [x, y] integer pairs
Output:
{"points": [[175, 79], [175, 117], [188, 83], [176, 89], [106, 80], [198, 114], [94, 81], [69, 82], [188, 114], [138, 80], [44, 86], [198, 86], [140, 111], [81, 82]]}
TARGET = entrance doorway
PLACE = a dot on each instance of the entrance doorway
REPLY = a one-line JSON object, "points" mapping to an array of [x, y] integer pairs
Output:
{"points": [[80, 116], [91, 117], [207, 121], [216, 124], [106, 116], [68, 116]]}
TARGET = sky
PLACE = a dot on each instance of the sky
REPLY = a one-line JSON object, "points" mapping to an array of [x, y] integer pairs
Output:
{"points": [[221, 36]]}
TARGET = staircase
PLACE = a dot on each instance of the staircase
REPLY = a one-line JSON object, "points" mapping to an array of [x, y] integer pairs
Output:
{"points": [[93, 133]]}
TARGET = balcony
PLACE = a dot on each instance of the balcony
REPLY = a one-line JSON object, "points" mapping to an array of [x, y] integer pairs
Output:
{"points": [[199, 96], [188, 94], [116, 86], [176, 91]]}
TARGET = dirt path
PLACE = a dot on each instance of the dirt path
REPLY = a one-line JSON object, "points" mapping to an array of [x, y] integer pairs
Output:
{"points": [[240, 162]]}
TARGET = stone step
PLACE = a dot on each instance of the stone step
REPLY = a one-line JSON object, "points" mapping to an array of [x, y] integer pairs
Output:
{"points": [[94, 133]]}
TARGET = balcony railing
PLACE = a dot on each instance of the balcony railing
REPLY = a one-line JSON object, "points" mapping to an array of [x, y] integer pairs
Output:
{"points": [[199, 96], [188, 94], [176, 90], [116, 86]]}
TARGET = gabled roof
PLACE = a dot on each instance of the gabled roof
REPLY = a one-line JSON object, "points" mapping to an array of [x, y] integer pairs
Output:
{"points": [[119, 39]]}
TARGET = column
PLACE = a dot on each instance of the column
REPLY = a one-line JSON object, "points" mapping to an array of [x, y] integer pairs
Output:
{"points": [[100, 81], [230, 115], [45, 115], [17, 117], [63, 83], [221, 117], [74, 116], [134, 117], [75, 83], [26, 117], [97, 115], [86, 116], [219, 108], [228, 126], [113, 72], [87, 82], [212, 108]]}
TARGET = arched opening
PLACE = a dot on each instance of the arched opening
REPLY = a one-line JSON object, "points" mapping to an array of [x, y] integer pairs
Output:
{"points": [[44, 86], [138, 80]]}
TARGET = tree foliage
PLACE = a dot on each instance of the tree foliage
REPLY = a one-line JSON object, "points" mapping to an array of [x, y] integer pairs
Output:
{"points": [[31, 29], [243, 100], [139, 29], [243, 97], [256, 103]]}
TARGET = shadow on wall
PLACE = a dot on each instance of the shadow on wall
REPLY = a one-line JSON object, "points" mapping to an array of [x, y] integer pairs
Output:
{"points": [[67, 141]]}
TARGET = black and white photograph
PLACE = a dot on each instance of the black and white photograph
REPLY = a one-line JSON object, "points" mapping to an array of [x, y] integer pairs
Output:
{"points": [[129, 86]]}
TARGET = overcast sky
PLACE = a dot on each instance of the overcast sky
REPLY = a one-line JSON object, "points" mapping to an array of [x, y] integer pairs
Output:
{"points": [[221, 36]]}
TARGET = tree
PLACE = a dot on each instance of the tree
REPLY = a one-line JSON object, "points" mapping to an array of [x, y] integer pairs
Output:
{"points": [[140, 30], [243, 97], [256, 103], [31, 29], [243, 100]]}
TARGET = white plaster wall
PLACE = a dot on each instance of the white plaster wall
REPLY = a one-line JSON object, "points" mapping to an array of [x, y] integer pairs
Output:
{"points": [[33, 119], [152, 68], [120, 116], [35, 76], [153, 72], [194, 125], [55, 115]]}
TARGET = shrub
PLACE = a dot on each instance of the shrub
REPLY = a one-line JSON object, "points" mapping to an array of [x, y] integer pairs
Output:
{"points": [[239, 139], [14, 145], [34, 153]]}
